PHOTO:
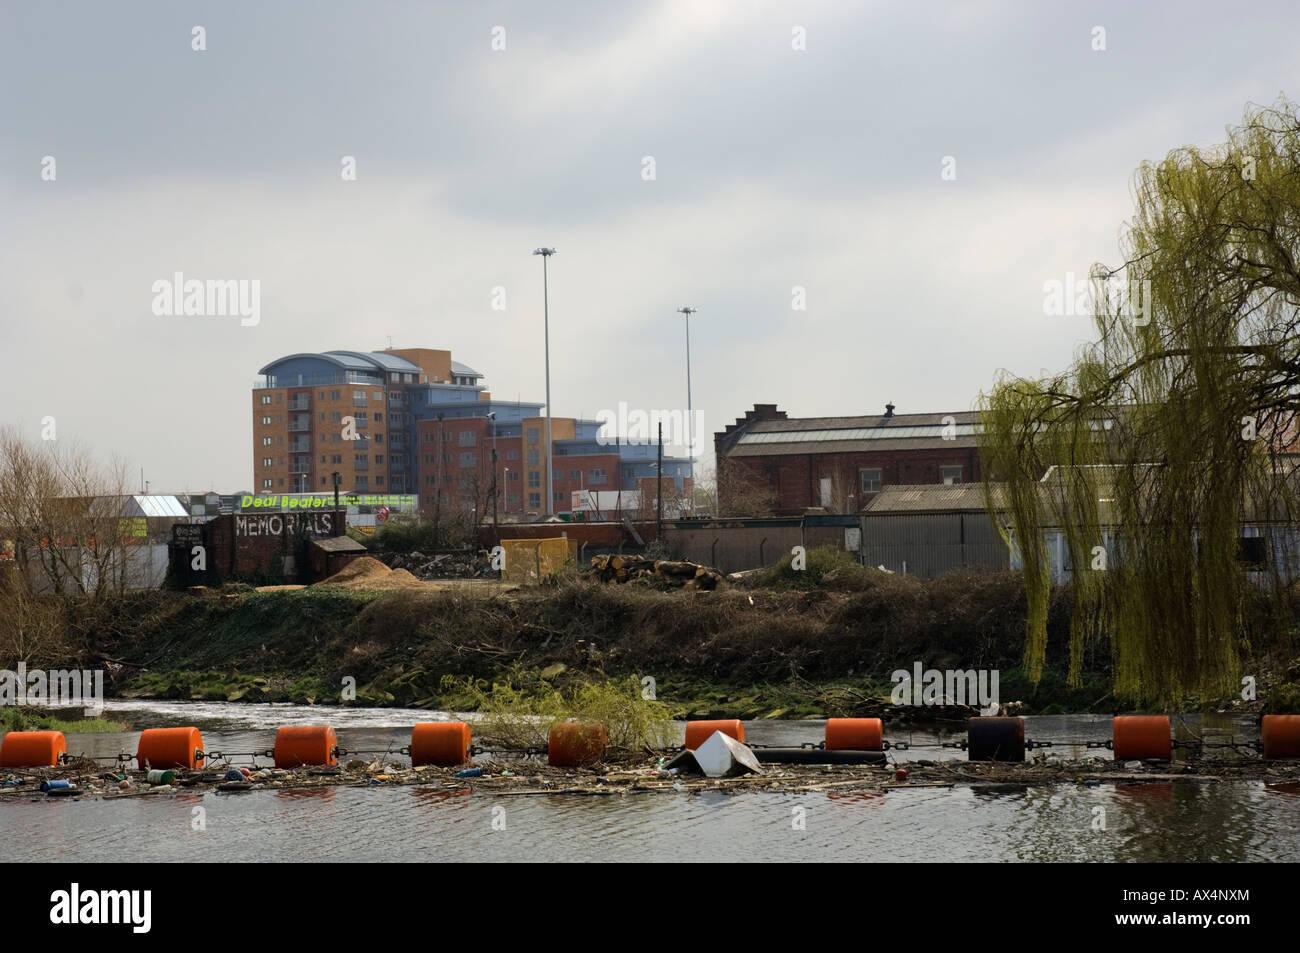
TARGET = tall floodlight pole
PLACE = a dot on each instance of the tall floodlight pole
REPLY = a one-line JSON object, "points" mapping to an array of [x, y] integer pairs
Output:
{"points": [[546, 326], [690, 449]]}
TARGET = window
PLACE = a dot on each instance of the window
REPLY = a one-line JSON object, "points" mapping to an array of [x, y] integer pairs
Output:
{"points": [[428, 458], [267, 484], [334, 395], [534, 500], [533, 459], [596, 476], [266, 398], [512, 454], [379, 417], [379, 458], [266, 441], [469, 459], [336, 458], [534, 478], [394, 376], [379, 480], [322, 458], [512, 475], [532, 436], [468, 438], [266, 461], [266, 421], [336, 416], [575, 474], [379, 438], [379, 396], [950, 476], [322, 415], [426, 437], [869, 480], [559, 497]]}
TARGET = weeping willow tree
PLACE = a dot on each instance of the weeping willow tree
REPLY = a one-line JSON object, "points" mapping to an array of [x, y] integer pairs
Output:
{"points": [[1140, 468]]}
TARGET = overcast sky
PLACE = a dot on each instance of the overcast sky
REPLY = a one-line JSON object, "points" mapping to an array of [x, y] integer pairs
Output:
{"points": [[774, 168]]}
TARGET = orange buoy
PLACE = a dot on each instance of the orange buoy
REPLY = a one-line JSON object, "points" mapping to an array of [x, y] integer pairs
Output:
{"points": [[1141, 738], [169, 748], [1281, 736], [443, 743], [32, 749], [855, 734], [697, 732], [296, 745], [574, 743]]}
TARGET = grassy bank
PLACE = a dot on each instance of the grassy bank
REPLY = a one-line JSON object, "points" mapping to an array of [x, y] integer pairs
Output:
{"points": [[33, 719], [767, 651]]}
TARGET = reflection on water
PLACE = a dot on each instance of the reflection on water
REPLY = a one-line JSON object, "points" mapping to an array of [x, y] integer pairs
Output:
{"points": [[1219, 822]]}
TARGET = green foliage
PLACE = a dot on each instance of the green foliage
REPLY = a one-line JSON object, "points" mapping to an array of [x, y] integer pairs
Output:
{"points": [[417, 535], [28, 719], [1198, 381], [520, 707], [825, 565]]}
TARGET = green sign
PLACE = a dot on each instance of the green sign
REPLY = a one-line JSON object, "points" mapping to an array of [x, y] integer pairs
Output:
{"points": [[324, 501]]}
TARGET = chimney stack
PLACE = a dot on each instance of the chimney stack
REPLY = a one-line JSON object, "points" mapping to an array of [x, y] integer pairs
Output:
{"points": [[889, 411]]}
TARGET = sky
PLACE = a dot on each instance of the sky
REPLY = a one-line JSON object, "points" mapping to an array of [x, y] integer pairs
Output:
{"points": [[864, 201]]}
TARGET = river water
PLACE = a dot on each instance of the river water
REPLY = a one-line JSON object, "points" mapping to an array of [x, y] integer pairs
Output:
{"points": [[1220, 822]]}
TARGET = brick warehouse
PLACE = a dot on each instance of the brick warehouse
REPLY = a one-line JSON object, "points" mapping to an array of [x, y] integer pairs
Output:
{"points": [[839, 463]]}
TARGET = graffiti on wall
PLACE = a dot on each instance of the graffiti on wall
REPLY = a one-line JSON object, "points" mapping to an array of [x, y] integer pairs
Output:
{"points": [[278, 524]]}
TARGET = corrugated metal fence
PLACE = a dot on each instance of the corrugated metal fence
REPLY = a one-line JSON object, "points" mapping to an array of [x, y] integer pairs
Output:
{"points": [[930, 544]]}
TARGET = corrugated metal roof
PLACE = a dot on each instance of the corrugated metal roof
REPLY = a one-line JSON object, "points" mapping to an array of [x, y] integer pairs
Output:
{"points": [[874, 422], [848, 446], [463, 370], [159, 506], [860, 433], [929, 497], [339, 544]]}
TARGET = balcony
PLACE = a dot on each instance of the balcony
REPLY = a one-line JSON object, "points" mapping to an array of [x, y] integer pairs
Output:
{"points": [[300, 423], [300, 402], [299, 468], [300, 445], [360, 402], [361, 466]]}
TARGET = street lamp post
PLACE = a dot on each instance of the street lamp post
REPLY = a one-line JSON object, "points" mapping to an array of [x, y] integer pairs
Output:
{"points": [[546, 326], [493, 417], [690, 449]]}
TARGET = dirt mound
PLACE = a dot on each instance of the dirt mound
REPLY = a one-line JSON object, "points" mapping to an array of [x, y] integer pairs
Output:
{"points": [[367, 572]]}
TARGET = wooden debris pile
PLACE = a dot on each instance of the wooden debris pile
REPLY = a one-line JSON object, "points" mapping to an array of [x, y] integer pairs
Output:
{"points": [[678, 573]]}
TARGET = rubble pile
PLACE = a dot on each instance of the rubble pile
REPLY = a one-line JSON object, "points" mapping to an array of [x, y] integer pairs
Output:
{"points": [[463, 564]]}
